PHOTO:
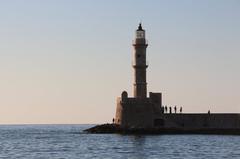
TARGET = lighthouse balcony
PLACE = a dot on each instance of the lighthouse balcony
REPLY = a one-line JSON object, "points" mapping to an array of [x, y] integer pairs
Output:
{"points": [[140, 41], [140, 65]]}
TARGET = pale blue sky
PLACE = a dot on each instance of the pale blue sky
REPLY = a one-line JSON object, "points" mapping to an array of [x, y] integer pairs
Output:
{"points": [[66, 61]]}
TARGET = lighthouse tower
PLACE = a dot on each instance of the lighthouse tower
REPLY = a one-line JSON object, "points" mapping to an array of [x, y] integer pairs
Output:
{"points": [[138, 111], [139, 64]]}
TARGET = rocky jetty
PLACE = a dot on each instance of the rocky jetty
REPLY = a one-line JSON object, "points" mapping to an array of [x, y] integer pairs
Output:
{"points": [[113, 128]]}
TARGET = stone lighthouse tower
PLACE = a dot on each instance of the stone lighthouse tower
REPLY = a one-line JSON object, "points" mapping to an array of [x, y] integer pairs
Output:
{"points": [[139, 64], [138, 111]]}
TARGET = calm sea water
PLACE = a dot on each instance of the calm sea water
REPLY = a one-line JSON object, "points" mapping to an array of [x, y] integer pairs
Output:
{"points": [[70, 142]]}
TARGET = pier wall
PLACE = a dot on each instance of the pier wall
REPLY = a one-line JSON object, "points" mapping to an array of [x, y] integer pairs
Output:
{"points": [[198, 121]]}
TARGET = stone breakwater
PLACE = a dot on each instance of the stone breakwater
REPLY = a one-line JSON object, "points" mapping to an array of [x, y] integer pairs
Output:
{"points": [[113, 128]]}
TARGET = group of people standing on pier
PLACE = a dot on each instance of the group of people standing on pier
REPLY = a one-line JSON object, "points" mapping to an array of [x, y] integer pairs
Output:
{"points": [[165, 109]]}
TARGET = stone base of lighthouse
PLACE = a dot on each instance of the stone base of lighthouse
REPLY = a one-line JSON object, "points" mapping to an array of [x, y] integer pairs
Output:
{"points": [[147, 114], [138, 112]]}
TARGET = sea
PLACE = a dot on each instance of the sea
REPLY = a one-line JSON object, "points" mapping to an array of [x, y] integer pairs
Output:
{"points": [[71, 142]]}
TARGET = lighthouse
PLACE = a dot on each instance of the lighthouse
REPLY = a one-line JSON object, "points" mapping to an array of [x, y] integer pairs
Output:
{"points": [[145, 114], [139, 64], [140, 110]]}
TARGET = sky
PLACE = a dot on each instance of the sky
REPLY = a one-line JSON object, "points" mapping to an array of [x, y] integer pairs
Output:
{"points": [[66, 61]]}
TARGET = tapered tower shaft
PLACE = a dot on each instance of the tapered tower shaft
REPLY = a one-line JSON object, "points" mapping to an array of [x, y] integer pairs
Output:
{"points": [[139, 64]]}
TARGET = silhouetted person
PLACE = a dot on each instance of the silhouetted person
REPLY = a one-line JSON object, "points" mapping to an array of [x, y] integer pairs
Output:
{"points": [[162, 109], [170, 110], [175, 109], [208, 111], [166, 109], [113, 120], [180, 109]]}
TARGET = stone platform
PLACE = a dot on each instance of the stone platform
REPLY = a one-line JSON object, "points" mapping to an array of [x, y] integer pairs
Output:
{"points": [[114, 128]]}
